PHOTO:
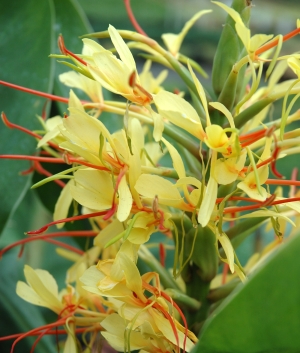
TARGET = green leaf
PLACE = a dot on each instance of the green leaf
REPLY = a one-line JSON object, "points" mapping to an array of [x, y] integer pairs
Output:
{"points": [[262, 315], [25, 43], [71, 22], [18, 316]]}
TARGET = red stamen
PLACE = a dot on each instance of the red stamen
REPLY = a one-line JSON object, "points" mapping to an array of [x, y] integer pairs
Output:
{"points": [[86, 233], [36, 330], [45, 172], [32, 158], [274, 42], [235, 198], [65, 51], [267, 202], [23, 129], [170, 319], [293, 187], [162, 254], [69, 219], [28, 171], [44, 115], [21, 251], [53, 332], [170, 300], [255, 136], [36, 93], [282, 182], [225, 272], [52, 160], [132, 80], [132, 18], [275, 156]]}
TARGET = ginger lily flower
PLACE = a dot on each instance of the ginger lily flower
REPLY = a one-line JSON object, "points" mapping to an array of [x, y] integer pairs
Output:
{"points": [[41, 289], [117, 75], [120, 280]]}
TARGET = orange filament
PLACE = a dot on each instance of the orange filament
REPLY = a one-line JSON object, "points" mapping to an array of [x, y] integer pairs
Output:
{"points": [[65, 51], [274, 42], [132, 18]]}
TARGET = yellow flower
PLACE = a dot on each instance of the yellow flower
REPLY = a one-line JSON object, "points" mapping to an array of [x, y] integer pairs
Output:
{"points": [[173, 41], [251, 185], [227, 170], [41, 290], [75, 80], [117, 75], [179, 112], [251, 44], [120, 280]]}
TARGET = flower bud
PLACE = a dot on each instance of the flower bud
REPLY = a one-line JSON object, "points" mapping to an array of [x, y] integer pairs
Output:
{"points": [[229, 50]]}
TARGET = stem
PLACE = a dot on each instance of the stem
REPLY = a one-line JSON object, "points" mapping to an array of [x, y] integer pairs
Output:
{"points": [[165, 277], [132, 18], [37, 93]]}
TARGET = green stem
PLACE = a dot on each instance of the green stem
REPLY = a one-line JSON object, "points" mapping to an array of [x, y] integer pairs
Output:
{"points": [[183, 139], [164, 275], [183, 299]]}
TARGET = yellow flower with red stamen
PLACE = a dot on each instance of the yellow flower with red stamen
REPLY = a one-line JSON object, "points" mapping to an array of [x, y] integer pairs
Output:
{"points": [[117, 75]]}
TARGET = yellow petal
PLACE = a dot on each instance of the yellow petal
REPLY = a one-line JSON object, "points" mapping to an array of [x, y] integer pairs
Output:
{"points": [[244, 34], [108, 233], [70, 344], [173, 41], [165, 327], [111, 73], [125, 200], [150, 186], [115, 327], [158, 126], [63, 204], [216, 138], [42, 289], [52, 128], [179, 112], [176, 159], [208, 202], [249, 186], [136, 134], [221, 107], [122, 48], [227, 170], [258, 40], [228, 249], [231, 12], [93, 189], [132, 275], [90, 279], [91, 87], [201, 93]]}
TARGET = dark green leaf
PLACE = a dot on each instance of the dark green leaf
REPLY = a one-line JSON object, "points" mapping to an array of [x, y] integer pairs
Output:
{"points": [[25, 43], [262, 315]]}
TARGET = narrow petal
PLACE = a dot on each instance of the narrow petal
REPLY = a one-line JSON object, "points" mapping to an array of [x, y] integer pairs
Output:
{"points": [[125, 200], [63, 204], [122, 48], [208, 202]]}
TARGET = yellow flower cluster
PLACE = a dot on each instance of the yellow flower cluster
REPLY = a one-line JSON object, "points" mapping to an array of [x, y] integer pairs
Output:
{"points": [[221, 151]]}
